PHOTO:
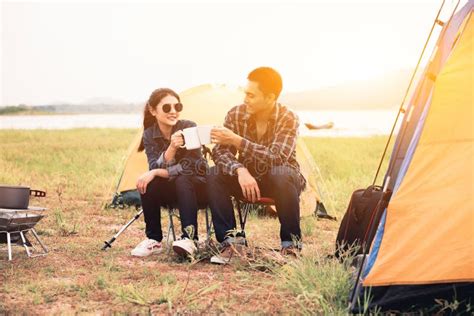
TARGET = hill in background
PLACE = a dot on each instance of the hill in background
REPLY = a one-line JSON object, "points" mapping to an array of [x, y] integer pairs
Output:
{"points": [[385, 92]]}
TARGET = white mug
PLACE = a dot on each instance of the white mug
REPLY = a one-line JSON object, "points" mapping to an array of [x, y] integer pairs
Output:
{"points": [[204, 132], [191, 138], [194, 137]]}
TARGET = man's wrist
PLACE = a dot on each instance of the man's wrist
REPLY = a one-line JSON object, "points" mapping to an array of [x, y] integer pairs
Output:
{"points": [[237, 141]]}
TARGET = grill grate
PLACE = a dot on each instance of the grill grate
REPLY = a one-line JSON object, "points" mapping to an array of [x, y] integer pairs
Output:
{"points": [[15, 224], [16, 220]]}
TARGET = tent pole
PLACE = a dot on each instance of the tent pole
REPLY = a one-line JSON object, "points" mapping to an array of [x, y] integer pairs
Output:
{"points": [[401, 110]]}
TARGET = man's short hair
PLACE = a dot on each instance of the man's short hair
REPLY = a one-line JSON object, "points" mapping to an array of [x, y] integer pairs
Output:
{"points": [[269, 80]]}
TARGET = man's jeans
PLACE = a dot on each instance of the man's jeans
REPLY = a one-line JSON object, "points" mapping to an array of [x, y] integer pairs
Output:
{"points": [[280, 183], [185, 192]]}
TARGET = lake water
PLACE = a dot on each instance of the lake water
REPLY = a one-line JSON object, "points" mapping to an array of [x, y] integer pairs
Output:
{"points": [[346, 123]]}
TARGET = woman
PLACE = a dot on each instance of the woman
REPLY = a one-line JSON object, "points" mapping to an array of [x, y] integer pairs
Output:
{"points": [[176, 176]]}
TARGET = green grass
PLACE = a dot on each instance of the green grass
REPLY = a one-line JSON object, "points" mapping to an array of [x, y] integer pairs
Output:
{"points": [[78, 169], [76, 164], [347, 164]]}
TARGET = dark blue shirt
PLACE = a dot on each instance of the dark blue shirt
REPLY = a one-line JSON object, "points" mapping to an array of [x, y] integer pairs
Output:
{"points": [[186, 162]]}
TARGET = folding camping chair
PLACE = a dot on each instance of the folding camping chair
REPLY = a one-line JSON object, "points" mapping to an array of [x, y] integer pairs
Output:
{"points": [[244, 207], [174, 212], [173, 209]]}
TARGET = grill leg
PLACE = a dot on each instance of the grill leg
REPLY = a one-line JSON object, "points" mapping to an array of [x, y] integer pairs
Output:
{"points": [[33, 231], [9, 246], [23, 239]]}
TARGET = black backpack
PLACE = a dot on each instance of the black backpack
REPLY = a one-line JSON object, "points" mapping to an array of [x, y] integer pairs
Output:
{"points": [[360, 222]]}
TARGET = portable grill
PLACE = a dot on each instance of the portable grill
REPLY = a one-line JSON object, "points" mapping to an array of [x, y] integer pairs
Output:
{"points": [[15, 223]]}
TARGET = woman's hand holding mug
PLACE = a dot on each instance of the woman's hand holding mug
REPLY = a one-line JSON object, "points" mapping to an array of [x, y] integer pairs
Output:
{"points": [[177, 140]]}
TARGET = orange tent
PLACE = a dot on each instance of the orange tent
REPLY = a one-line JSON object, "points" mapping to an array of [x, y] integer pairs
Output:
{"points": [[423, 251]]}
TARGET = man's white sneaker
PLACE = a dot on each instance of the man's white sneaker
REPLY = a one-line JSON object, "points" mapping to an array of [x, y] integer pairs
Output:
{"points": [[184, 247], [227, 253], [147, 247]]}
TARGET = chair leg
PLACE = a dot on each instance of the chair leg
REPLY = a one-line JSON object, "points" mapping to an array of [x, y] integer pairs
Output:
{"points": [[242, 219], [208, 226], [239, 211], [247, 209], [171, 225]]}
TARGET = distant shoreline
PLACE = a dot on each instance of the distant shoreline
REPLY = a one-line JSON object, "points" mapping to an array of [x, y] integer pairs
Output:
{"points": [[343, 123], [41, 113], [29, 112]]}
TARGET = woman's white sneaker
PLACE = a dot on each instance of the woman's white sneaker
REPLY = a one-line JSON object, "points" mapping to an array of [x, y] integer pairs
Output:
{"points": [[184, 247], [147, 247]]}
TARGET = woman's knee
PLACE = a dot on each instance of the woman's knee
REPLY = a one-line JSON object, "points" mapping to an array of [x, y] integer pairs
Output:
{"points": [[156, 185], [183, 181]]}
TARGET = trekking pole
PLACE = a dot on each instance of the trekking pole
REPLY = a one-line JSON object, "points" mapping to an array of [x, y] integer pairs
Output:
{"points": [[108, 244]]}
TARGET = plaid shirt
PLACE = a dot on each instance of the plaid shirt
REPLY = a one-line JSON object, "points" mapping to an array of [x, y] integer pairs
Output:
{"points": [[276, 147]]}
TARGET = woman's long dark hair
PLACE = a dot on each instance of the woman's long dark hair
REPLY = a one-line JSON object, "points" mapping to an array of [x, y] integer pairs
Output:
{"points": [[154, 99]]}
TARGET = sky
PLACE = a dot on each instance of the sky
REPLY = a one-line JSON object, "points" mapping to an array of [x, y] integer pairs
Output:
{"points": [[66, 51]]}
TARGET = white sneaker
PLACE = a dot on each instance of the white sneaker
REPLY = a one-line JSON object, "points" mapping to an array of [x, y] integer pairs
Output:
{"points": [[147, 247], [227, 253], [184, 247]]}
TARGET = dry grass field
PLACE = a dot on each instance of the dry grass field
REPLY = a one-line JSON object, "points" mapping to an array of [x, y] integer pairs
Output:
{"points": [[78, 169]]}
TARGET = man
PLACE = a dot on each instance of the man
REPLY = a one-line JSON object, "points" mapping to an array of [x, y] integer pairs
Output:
{"points": [[264, 134]]}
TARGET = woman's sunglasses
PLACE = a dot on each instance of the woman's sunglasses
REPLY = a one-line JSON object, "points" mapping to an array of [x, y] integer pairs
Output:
{"points": [[178, 107]]}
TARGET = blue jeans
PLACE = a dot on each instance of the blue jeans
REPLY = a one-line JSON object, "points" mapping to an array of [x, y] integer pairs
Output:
{"points": [[281, 184], [185, 192]]}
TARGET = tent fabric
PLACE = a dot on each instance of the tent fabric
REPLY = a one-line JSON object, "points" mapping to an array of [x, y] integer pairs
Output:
{"points": [[424, 247], [411, 148], [135, 165], [438, 186], [412, 297], [423, 90], [374, 251]]}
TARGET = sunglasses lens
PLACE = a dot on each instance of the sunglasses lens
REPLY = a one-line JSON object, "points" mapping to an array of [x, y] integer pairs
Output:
{"points": [[178, 107], [166, 108]]}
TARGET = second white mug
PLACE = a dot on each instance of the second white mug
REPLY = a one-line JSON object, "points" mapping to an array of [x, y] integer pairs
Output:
{"points": [[204, 132]]}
